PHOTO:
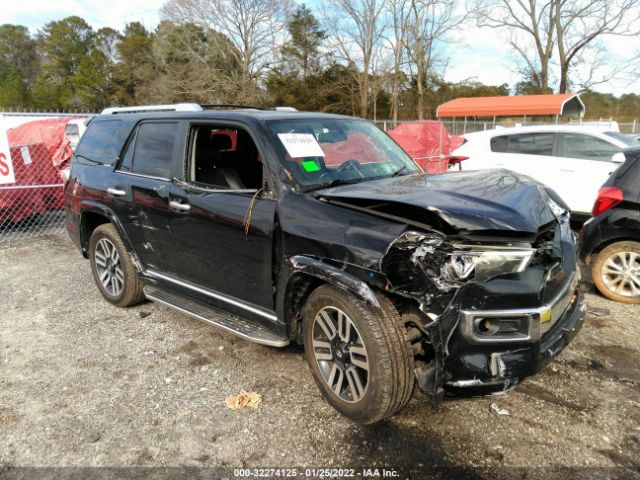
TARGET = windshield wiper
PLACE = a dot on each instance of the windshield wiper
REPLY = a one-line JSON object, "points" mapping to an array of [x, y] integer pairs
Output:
{"points": [[333, 183], [399, 171]]}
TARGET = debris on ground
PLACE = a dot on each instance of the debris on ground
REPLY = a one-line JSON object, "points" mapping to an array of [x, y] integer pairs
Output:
{"points": [[499, 410], [599, 312], [243, 399]]}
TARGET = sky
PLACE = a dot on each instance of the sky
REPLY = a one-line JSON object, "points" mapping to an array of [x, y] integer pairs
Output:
{"points": [[481, 54]]}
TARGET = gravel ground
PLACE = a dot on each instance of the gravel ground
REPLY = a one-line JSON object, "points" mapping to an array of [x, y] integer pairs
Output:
{"points": [[83, 383]]}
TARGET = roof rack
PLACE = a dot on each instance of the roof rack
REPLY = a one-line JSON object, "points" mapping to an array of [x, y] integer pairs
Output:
{"points": [[177, 107], [184, 107], [230, 105]]}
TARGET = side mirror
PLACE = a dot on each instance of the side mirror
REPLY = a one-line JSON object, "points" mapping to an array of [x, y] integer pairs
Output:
{"points": [[618, 158]]}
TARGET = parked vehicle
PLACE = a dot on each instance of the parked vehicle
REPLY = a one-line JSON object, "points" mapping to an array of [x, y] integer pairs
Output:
{"points": [[464, 282], [574, 160], [610, 241]]}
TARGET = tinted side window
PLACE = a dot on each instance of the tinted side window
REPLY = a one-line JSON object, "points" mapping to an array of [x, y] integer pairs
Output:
{"points": [[531, 143], [154, 149], [577, 145], [499, 144], [102, 141]]}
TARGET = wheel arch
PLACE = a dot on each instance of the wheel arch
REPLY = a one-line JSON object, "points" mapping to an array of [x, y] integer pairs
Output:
{"points": [[608, 242], [91, 217], [305, 275]]}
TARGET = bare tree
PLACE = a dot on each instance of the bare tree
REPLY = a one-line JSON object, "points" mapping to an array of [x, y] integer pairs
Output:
{"points": [[429, 23], [532, 27], [399, 14], [356, 27], [579, 23], [254, 27]]}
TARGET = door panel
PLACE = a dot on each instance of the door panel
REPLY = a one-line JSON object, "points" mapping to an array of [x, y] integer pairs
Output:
{"points": [[142, 205], [212, 249]]}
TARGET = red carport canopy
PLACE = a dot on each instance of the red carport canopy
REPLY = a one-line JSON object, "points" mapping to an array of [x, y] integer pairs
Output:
{"points": [[517, 105]]}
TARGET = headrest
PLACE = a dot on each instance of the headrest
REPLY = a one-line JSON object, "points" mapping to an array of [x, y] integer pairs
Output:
{"points": [[220, 141]]}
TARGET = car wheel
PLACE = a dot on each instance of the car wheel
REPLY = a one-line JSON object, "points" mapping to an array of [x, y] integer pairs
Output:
{"points": [[616, 272], [360, 356], [112, 268]]}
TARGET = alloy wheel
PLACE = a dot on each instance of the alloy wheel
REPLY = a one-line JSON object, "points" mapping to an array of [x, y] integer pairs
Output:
{"points": [[621, 274], [109, 267], [341, 354]]}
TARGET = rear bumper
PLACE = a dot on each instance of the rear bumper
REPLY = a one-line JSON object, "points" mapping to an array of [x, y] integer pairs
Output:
{"points": [[477, 368]]}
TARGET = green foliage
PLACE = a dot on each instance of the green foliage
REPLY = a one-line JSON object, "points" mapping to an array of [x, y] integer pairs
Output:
{"points": [[13, 92], [135, 69], [301, 52], [63, 44], [92, 82]]}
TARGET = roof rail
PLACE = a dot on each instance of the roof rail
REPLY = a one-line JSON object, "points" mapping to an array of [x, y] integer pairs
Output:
{"points": [[230, 105], [177, 107], [286, 109]]}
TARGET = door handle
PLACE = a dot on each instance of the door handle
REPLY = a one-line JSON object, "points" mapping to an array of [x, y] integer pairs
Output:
{"points": [[181, 207], [567, 170], [116, 192]]}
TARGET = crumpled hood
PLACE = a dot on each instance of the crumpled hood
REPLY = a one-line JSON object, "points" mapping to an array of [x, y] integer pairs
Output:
{"points": [[474, 200]]}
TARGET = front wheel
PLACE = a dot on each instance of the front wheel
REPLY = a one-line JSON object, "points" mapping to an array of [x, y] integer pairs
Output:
{"points": [[616, 272], [360, 357]]}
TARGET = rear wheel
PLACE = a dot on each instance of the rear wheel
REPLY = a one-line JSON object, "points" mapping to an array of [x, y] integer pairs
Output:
{"points": [[360, 356], [616, 272], [112, 268]]}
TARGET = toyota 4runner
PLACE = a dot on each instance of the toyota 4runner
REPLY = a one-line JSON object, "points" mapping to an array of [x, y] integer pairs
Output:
{"points": [[281, 226]]}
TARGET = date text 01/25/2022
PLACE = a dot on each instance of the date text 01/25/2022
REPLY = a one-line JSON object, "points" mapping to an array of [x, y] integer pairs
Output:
{"points": [[316, 472]]}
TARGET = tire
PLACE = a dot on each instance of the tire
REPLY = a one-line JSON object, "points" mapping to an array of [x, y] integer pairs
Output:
{"points": [[125, 289], [377, 340], [614, 272]]}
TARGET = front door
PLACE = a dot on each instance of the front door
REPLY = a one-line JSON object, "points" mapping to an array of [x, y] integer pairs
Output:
{"points": [[223, 223]]}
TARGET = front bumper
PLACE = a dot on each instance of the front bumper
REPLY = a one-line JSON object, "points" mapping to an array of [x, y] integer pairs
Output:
{"points": [[479, 367]]}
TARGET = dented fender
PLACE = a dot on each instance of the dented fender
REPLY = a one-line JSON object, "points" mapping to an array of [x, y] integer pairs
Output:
{"points": [[334, 276]]}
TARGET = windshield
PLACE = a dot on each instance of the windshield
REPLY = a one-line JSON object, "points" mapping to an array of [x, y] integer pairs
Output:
{"points": [[621, 137], [328, 151]]}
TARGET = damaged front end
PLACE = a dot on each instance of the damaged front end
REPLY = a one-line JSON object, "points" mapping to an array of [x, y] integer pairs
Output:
{"points": [[492, 309]]}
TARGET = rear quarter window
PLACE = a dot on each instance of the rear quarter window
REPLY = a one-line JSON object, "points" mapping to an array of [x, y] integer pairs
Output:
{"points": [[524, 143], [102, 142]]}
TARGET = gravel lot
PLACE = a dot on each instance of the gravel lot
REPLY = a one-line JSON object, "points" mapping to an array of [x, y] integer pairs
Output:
{"points": [[83, 383]]}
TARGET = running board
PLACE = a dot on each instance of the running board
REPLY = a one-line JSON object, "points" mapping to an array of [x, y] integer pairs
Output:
{"points": [[242, 327]]}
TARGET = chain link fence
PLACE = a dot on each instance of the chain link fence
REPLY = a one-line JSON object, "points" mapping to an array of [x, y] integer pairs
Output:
{"points": [[31, 196], [40, 150]]}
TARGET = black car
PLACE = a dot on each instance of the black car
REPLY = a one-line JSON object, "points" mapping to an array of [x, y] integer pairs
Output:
{"points": [[610, 240], [320, 230]]}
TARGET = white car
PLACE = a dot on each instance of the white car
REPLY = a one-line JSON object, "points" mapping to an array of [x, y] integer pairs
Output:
{"points": [[574, 160]]}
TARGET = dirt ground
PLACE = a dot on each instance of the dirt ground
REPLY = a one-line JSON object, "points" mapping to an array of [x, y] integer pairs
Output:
{"points": [[83, 383]]}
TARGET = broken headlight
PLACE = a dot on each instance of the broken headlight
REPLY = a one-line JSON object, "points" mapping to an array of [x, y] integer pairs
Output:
{"points": [[480, 262]]}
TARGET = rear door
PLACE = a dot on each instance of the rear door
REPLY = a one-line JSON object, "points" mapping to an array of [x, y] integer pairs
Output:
{"points": [[586, 161], [139, 191]]}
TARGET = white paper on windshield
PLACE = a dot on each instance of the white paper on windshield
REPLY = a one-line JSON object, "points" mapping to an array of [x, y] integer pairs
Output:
{"points": [[26, 156], [301, 145]]}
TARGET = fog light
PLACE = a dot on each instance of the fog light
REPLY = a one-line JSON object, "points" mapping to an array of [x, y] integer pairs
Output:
{"points": [[487, 326]]}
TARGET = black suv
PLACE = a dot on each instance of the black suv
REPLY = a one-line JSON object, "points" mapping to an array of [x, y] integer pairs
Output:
{"points": [[610, 241], [319, 229]]}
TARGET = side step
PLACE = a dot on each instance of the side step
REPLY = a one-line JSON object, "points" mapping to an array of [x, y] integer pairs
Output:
{"points": [[241, 327]]}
